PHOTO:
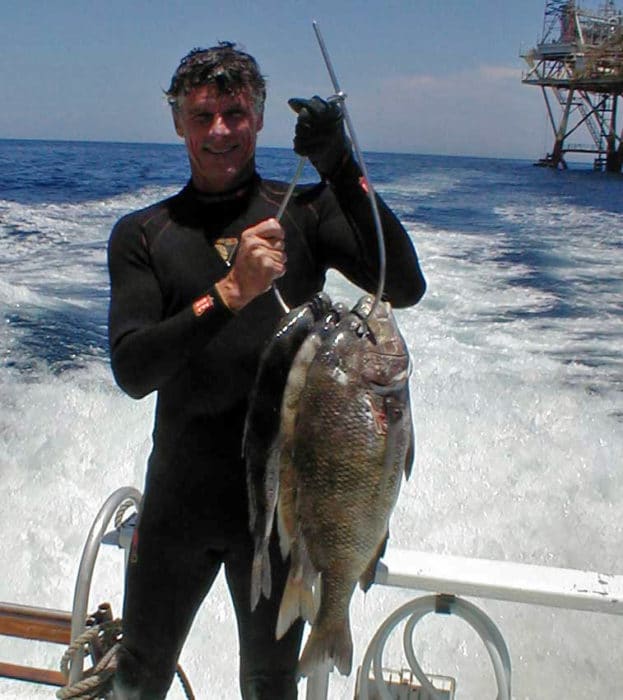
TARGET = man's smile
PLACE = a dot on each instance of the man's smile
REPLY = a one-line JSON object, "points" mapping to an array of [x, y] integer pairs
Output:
{"points": [[219, 151]]}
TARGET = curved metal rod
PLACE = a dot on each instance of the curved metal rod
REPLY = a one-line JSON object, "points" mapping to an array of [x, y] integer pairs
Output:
{"points": [[416, 609], [87, 565], [362, 164], [279, 215], [484, 627]]}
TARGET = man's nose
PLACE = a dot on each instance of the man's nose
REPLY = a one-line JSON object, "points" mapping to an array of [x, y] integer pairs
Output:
{"points": [[219, 125]]}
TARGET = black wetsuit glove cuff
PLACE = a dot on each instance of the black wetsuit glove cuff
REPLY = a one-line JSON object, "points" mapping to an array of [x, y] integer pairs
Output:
{"points": [[347, 174]]}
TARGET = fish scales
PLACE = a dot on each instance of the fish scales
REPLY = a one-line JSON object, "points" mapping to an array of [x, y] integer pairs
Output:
{"points": [[337, 450], [298, 592]]}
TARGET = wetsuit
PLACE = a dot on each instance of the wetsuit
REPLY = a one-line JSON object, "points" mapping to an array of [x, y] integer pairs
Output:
{"points": [[170, 332]]}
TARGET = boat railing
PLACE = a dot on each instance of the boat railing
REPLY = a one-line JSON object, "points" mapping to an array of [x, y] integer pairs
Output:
{"points": [[36, 624], [452, 577], [443, 579]]}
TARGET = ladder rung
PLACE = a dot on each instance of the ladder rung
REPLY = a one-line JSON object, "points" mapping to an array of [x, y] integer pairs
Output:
{"points": [[32, 675], [41, 624]]}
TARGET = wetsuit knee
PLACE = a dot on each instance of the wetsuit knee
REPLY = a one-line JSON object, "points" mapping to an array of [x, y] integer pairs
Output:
{"points": [[277, 686]]}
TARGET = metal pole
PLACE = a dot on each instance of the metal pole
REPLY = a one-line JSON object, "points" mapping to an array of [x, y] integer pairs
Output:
{"points": [[362, 164], [279, 215], [85, 571], [318, 683]]}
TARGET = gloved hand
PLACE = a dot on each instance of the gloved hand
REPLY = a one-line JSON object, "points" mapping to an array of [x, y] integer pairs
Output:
{"points": [[319, 133]]}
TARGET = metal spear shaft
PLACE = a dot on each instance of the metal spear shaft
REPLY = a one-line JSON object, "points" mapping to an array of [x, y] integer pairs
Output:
{"points": [[279, 214], [370, 190]]}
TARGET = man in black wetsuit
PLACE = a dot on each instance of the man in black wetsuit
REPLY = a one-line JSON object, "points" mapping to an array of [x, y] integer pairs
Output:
{"points": [[191, 309]]}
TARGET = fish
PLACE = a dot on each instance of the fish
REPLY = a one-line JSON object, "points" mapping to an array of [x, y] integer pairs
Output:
{"points": [[351, 442], [301, 578], [262, 428]]}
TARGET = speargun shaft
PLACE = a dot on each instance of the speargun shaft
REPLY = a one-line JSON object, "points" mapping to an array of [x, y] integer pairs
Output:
{"points": [[279, 214], [339, 95]]}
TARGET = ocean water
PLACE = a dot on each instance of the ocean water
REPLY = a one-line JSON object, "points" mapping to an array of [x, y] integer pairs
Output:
{"points": [[517, 392]]}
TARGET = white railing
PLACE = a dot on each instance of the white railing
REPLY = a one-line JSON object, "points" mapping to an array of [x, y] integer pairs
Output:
{"points": [[572, 589], [446, 576], [453, 576]]}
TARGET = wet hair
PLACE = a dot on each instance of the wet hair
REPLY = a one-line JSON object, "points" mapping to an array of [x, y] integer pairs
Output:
{"points": [[225, 66]]}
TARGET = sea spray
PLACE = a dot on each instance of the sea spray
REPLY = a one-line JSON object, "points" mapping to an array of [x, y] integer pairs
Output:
{"points": [[516, 395]]}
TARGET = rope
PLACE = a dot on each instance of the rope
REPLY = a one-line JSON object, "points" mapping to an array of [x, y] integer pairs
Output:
{"points": [[97, 682], [185, 683], [95, 685], [121, 512]]}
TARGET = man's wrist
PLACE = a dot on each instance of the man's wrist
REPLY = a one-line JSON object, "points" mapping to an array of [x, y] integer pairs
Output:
{"points": [[228, 291], [347, 173]]}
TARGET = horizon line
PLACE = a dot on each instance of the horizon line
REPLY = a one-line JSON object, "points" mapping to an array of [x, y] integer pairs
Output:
{"points": [[260, 147]]}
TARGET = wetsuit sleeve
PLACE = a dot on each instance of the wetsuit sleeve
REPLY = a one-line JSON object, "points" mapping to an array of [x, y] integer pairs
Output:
{"points": [[348, 239], [146, 349]]}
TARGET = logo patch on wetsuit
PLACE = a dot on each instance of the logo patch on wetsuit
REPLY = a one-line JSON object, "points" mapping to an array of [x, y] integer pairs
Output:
{"points": [[226, 247], [203, 304]]}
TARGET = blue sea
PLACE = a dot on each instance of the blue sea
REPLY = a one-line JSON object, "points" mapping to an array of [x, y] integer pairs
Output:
{"points": [[517, 392]]}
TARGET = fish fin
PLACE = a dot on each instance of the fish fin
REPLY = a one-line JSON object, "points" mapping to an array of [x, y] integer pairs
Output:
{"points": [[410, 456], [311, 580], [327, 643], [261, 579], [400, 437], [285, 542], [285, 527], [297, 601], [299, 597], [310, 603], [367, 577], [289, 608], [262, 501]]}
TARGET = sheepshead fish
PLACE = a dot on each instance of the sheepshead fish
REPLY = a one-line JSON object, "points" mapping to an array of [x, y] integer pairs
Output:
{"points": [[302, 576], [262, 428], [352, 442]]}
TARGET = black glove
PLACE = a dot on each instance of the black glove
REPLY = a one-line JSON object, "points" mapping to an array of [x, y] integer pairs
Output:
{"points": [[319, 133]]}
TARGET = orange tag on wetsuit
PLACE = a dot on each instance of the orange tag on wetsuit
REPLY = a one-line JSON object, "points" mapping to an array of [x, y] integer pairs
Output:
{"points": [[203, 304]]}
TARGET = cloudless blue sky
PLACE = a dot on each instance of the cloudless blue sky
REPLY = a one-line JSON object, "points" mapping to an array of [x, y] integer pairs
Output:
{"points": [[422, 76]]}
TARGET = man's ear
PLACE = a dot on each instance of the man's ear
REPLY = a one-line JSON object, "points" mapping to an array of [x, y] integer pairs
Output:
{"points": [[179, 129], [260, 120]]}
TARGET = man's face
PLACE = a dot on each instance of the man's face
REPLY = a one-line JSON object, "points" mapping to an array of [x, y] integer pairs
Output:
{"points": [[220, 133]]}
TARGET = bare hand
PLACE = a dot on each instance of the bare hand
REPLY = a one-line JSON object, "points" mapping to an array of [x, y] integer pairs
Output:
{"points": [[260, 259]]}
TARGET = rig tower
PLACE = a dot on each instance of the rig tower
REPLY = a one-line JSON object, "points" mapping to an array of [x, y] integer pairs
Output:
{"points": [[579, 61]]}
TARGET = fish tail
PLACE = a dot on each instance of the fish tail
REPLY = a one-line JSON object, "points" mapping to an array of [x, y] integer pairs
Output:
{"points": [[328, 643], [261, 579], [297, 601]]}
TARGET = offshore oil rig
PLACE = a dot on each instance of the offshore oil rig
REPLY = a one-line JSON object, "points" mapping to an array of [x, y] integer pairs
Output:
{"points": [[578, 64]]}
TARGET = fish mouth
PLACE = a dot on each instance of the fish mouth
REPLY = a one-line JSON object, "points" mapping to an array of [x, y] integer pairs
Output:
{"points": [[388, 389], [387, 373], [396, 383]]}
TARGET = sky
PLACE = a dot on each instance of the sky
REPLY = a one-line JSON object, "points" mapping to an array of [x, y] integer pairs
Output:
{"points": [[421, 76]]}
